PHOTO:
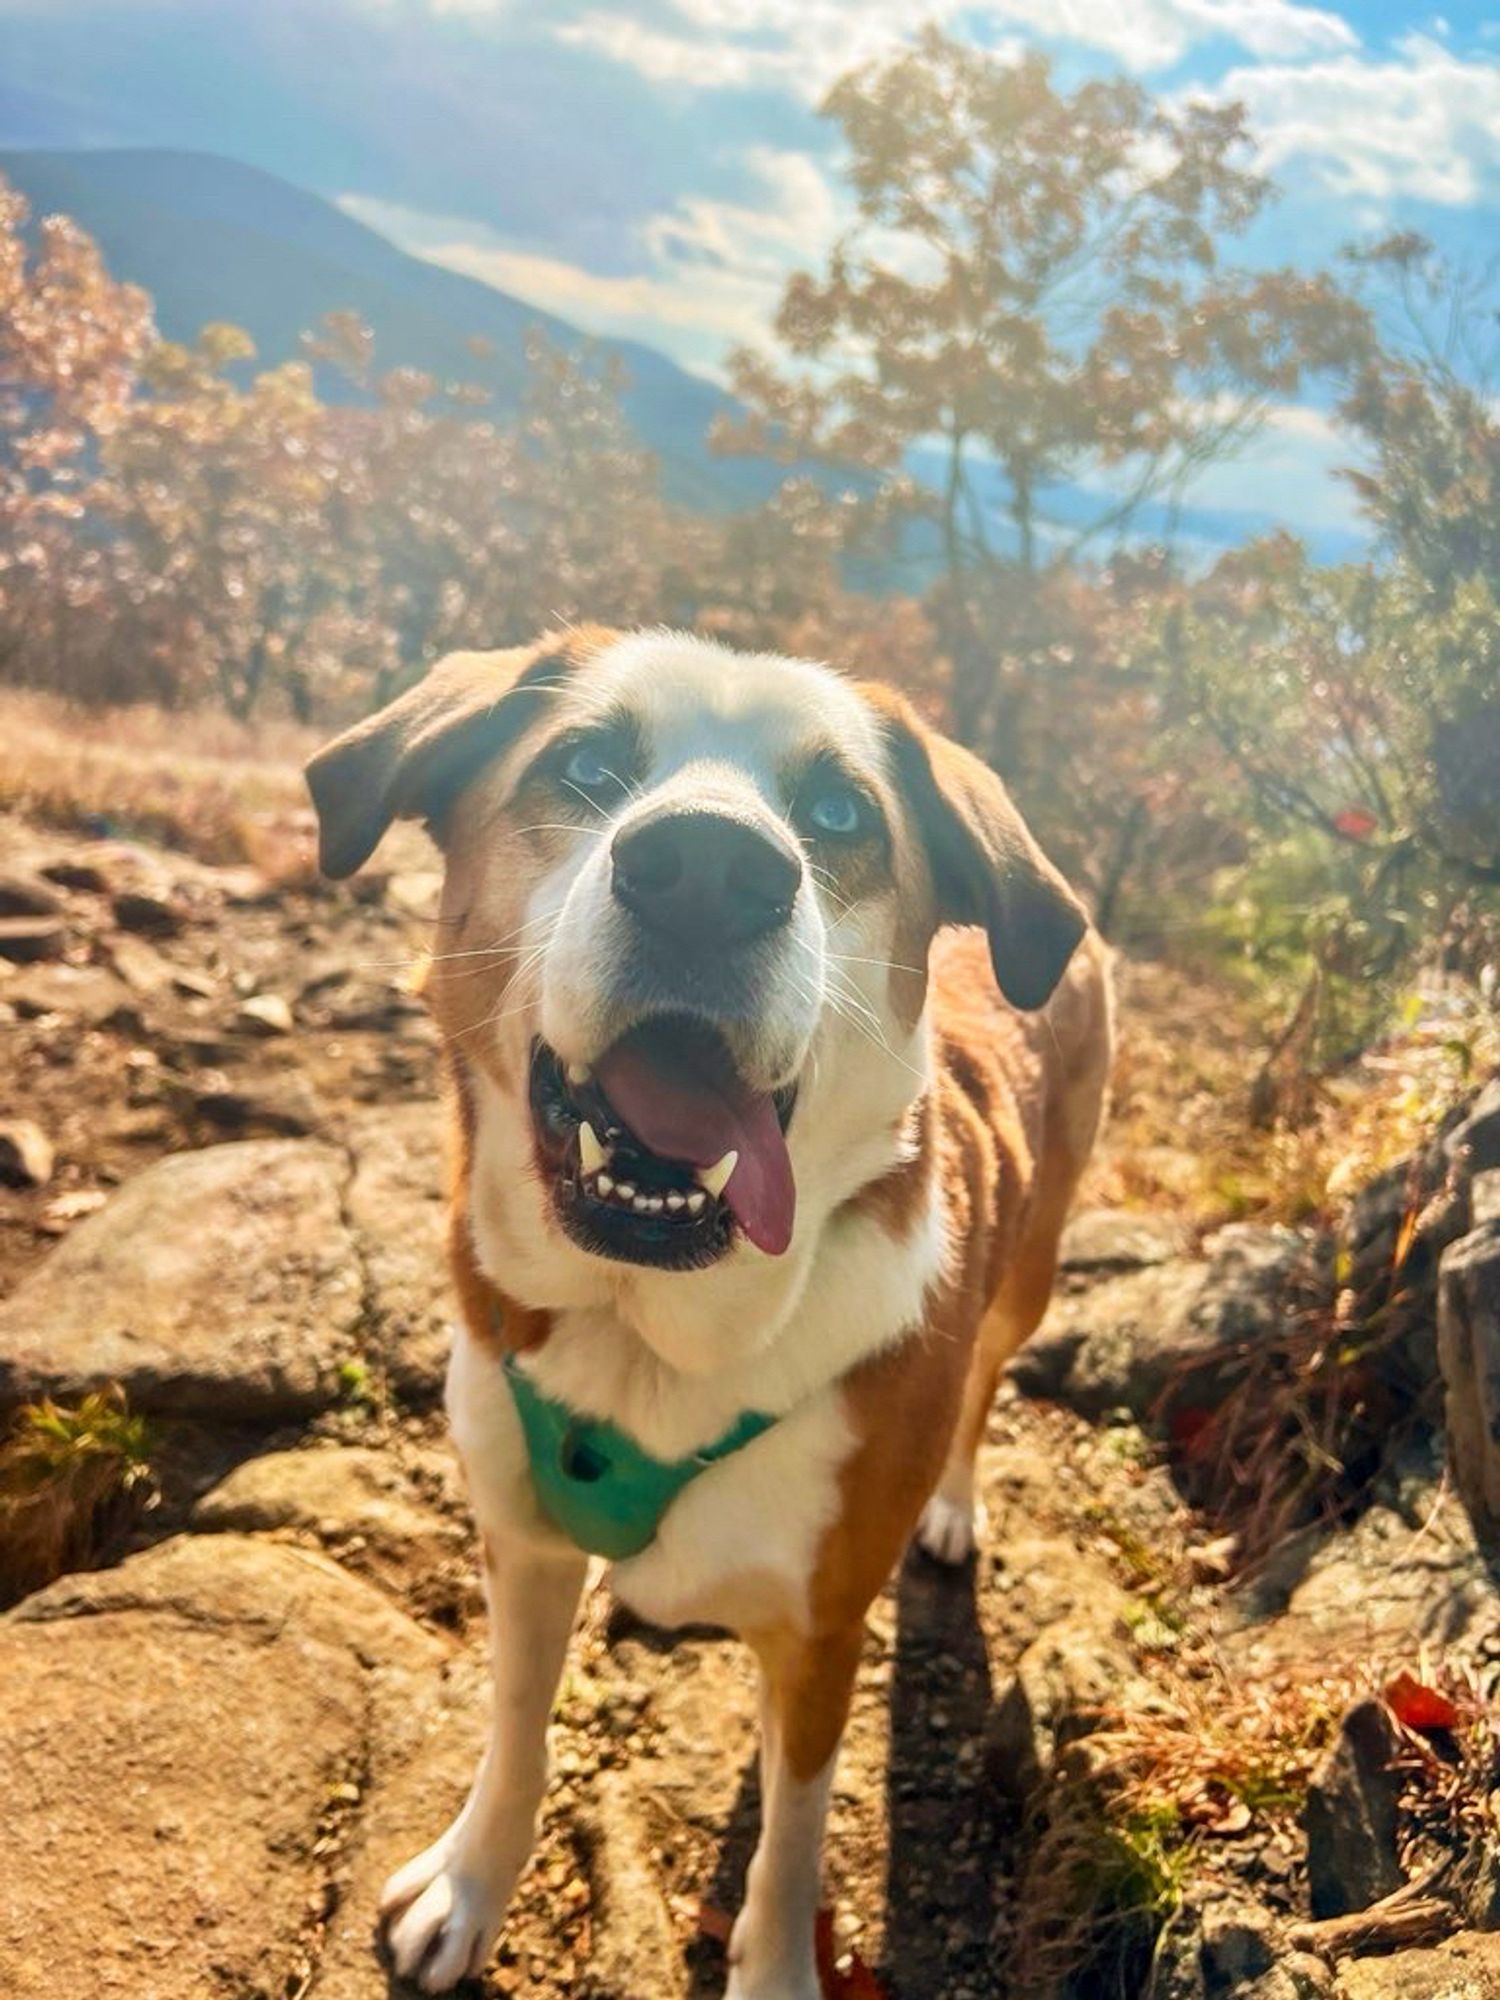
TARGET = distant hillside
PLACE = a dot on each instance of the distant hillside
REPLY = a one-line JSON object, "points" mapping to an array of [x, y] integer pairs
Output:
{"points": [[211, 239]]}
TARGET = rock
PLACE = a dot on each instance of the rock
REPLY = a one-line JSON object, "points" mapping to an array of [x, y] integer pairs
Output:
{"points": [[141, 966], [1408, 1570], [187, 1741], [398, 1210], [193, 985], [1115, 1346], [1239, 1942], [146, 914], [82, 875], [1305, 1974], [344, 997], [1469, 1357], [405, 1807], [24, 940], [1465, 1967], [28, 896], [278, 1107], [26, 1155], [1474, 1144], [90, 994], [58, 1217], [1075, 1673], [355, 1499], [221, 1282], [1117, 1239], [1484, 1198], [1350, 1817], [265, 1014], [1130, 1342], [633, 1947], [245, 888]]}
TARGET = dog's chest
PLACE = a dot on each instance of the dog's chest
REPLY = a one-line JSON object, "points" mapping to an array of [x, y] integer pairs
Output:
{"points": [[738, 1547]]}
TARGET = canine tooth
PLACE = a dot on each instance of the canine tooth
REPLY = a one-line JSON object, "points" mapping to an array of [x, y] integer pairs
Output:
{"points": [[590, 1152], [641, 1205], [716, 1177], [695, 1201], [625, 1190], [578, 1073], [674, 1202], [604, 1184]]}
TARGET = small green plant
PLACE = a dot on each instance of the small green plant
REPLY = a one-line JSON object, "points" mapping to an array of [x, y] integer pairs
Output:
{"points": [[1103, 1888], [357, 1385], [72, 1480]]}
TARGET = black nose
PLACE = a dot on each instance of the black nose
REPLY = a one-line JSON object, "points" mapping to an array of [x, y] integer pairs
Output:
{"points": [[705, 880]]}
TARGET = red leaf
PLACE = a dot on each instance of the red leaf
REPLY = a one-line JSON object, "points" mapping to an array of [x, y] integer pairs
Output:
{"points": [[715, 1924], [1417, 1706], [1192, 1432], [1356, 822]]}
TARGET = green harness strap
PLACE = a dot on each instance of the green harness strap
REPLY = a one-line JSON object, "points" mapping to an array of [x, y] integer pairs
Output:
{"points": [[596, 1484]]}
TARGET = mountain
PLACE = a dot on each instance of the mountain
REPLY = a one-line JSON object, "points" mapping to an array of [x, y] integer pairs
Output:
{"points": [[212, 239]]}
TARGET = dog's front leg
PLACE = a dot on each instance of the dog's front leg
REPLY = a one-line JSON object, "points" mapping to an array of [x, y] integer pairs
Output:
{"points": [[806, 1683], [444, 1908]]}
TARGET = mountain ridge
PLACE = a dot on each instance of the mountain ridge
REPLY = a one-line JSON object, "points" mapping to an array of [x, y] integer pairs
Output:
{"points": [[215, 239]]}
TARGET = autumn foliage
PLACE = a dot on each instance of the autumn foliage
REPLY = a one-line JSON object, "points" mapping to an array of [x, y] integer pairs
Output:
{"points": [[990, 405]]}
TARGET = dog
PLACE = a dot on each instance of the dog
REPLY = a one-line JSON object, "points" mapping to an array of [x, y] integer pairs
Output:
{"points": [[776, 1050]]}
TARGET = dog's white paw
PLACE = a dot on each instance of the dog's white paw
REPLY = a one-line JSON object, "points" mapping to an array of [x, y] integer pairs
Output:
{"points": [[441, 1916], [950, 1528]]}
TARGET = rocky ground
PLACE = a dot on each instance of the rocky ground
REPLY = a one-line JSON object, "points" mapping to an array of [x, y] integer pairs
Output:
{"points": [[1183, 1723]]}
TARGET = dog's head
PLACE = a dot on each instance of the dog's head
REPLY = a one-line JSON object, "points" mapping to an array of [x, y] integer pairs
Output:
{"points": [[687, 911]]}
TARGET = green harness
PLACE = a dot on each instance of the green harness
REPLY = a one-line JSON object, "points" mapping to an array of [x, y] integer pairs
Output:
{"points": [[597, 1485]]}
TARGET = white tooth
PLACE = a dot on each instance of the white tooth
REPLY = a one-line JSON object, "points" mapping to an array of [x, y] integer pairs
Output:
{"points": [[604, 1184], [640, 1204], [590, 1152], [716, 1177], [578, 1073], [674, 1202], [626, 1190], [695, 1201], [654, 1204]]}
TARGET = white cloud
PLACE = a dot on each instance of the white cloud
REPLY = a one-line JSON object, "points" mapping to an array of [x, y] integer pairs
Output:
{"points": [[712, 271], [803, 45], [1421, 122]]}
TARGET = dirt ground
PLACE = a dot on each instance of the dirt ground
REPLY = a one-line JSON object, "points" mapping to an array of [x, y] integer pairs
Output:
{"points": [[137, 1042]]}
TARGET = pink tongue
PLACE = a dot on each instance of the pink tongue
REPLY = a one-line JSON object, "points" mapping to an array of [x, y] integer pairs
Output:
{"points": [[678, 1093]]}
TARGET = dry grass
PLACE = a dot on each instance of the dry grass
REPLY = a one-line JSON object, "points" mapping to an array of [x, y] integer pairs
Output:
{"points": [[1159, 1801], [222, 791], [72, 1480], [1181, 1139]]}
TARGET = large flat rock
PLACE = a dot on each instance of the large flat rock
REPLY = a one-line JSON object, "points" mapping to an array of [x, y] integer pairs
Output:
{"points": [[223, 1282], [399, 1214], [187, 1743]]}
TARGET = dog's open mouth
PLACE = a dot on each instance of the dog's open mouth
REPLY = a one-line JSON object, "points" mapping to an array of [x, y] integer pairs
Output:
{"points": [[661, 1152]]}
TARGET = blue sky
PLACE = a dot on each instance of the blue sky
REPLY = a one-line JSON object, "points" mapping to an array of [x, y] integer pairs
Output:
{"points": [[657, 169]]}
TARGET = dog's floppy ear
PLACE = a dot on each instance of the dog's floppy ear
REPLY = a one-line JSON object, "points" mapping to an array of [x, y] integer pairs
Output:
{"points": [[986, 866], [412, 759]]}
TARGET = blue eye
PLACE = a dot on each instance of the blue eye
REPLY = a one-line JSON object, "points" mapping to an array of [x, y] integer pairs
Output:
{"points": [[837, 811], [587, 769]]}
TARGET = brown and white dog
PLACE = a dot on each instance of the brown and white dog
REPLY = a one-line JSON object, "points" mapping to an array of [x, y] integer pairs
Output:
{"points": [[742, 1126]]}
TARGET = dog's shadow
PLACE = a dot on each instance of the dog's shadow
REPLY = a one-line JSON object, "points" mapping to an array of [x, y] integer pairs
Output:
{"points": [[948, 1835]]}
